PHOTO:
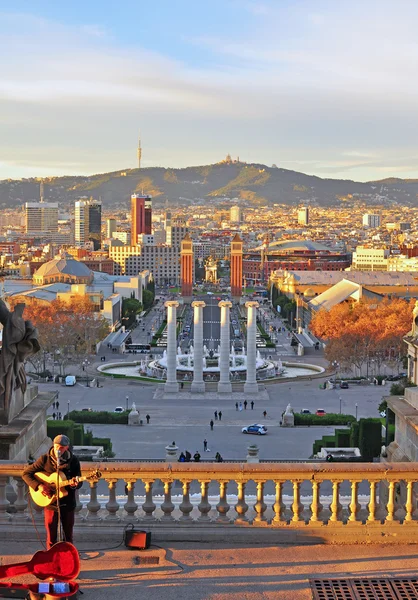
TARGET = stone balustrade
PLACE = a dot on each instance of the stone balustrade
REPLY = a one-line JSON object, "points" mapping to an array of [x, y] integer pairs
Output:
{"points": [[289, 496]]}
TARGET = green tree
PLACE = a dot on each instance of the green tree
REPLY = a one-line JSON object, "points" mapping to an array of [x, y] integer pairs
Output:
{"points": [[148, 299], [130, 308]]}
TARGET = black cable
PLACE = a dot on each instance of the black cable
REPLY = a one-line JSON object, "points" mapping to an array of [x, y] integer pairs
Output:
{"points": [[59, 525]]}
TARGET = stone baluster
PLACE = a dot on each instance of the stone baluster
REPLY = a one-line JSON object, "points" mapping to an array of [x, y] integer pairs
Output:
{"points": [[354, 503], [112, 505], [78, 508], [409, 504], [21, 503], [167, 506], [316, 506], [223, 507], [130, 505], [4, 503], [260, 506], [390, 506], [372, 503], [36, 512], [93, 505], [148, 507], [198, 385], [335, 506], [224, 385], [204, 506], [297, 506], [186, 506], [241, 506], [171, 385], [250, 385], [279, 506]]}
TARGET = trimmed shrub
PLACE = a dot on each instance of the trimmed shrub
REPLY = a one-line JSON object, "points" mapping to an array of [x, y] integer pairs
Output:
{"points": [[317, 446], [342, 438], [370, 438], [354, 435], [328, 441], [103, 416], [328, 419], [53, 428], [105, 442], [78, 435]]}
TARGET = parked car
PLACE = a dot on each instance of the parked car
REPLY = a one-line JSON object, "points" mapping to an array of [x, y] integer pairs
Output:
{"points": [[118, 409], [344, 385], [305, 411], [256, 429], [70, 380], [320, 412]]}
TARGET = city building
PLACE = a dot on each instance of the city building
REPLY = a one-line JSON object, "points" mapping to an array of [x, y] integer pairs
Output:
{"points": [[41, 218], [235, 214], [141, 216], [175, 234], [63, 269], [303, 216], [88, 223], [370, 259], [370, 220], [162, 261], [111, 227]]}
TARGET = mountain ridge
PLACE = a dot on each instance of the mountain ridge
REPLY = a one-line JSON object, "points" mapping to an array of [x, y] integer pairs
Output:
{"points": [[253, 182]]}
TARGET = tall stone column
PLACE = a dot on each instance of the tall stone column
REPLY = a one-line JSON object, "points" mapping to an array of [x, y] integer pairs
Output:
{"points": [[171, 384], [198, 385], [251, 385], [224, 385]]}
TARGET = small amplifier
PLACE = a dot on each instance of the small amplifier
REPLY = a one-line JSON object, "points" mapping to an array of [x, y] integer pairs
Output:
{"points": [[137, 540]]}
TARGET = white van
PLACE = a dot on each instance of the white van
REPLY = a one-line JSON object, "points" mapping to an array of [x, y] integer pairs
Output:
{"points": [[70, 380]]}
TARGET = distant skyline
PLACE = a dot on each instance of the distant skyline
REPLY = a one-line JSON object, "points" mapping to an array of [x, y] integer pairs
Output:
{"points": [[325, 87]]}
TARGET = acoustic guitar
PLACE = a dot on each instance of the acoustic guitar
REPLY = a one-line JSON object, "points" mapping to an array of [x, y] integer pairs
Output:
{"points": [[52, 479]]}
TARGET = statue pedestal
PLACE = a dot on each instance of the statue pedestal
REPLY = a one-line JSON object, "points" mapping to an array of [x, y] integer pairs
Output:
{"points": [[26, 433]]}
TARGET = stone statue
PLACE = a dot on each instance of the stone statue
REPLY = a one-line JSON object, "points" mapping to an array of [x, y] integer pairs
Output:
{"points": [[19, 342]]}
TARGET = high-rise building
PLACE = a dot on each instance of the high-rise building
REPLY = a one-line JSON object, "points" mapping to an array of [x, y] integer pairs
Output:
{"points": [[111, 227], [175, 233], [186, 270], [88, 222], [236, 267], [141, 216], [235, 215], [303, 215], [41, 217], [370, 220]]}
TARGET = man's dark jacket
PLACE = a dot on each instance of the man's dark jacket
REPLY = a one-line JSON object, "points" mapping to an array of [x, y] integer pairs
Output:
{"points": [[70, 466]]}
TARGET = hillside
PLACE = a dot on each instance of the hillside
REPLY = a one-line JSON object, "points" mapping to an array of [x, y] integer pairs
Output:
{"points": [[254, 182]]}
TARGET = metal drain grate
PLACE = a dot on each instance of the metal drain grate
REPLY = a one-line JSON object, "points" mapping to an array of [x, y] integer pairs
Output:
{"points": [[149, 560], [365, 589]]}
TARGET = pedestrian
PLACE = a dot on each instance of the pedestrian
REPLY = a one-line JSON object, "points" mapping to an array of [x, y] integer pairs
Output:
{"points": [[218, 457], [53, 416], [196, 456], [265, 414], [211, 424], [205, 445], [188, 456], [216, 415], [57, 404], [147, 418], [220, 415], [236, 405], [59, 457], [245, 404], [182, 457], [252, 404], [240, 406], [181, 385]]}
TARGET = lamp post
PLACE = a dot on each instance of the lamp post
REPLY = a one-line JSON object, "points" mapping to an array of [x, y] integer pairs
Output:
{"points": [[356, 410], [340, 399], [68, 409], [127, 402]]}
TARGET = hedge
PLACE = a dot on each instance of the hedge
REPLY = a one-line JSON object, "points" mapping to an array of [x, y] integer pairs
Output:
{"points": [[328, 441], [354, 433], [328, 419], [370, 438], [78, 435], [54, 428], [342, 438], [102, 416], [105, 442]]}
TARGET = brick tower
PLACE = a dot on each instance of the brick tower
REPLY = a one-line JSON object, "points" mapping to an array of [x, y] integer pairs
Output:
{"points": [[186, 273], [236, 268]]}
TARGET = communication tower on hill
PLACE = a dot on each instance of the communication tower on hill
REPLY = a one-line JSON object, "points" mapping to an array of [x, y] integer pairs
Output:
{"points": [[139, 152]]}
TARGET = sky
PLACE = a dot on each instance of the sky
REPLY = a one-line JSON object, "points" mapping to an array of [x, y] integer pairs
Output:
{"points": [[326, 87]]}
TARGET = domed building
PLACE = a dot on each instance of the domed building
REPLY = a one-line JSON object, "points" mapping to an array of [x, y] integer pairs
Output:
{"points": [[63, 269]]}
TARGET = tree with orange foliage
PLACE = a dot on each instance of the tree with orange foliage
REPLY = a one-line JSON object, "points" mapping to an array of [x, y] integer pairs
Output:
{"points": [[358, 332], [67, 330]]}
